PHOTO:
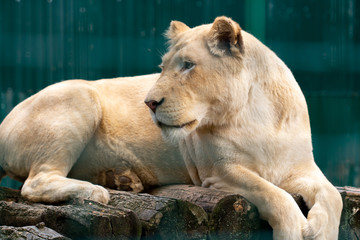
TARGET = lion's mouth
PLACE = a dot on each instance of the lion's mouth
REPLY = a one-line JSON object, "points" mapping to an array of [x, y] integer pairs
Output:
{"points": [[191, 123]]}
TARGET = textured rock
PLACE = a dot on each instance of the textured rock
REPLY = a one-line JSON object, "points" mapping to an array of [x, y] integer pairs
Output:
{"points": [[172, 212], [77, 220], [164, 218], [230, 215], [350, 218], [30, 232]]}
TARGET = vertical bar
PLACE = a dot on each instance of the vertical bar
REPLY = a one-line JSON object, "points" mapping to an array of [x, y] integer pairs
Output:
{"points": [[19, 48], [2, 62], [255, 18]]}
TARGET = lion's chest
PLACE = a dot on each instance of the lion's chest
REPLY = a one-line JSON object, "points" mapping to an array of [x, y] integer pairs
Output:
{"points": [[206, 153], [211, 154]]}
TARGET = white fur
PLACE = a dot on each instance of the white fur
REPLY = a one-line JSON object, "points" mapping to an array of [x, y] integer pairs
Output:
{"points": [[253, 135], [240, 124]]}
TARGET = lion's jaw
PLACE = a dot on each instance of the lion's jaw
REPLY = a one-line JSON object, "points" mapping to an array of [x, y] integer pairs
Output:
{"points": [[174, 129]]}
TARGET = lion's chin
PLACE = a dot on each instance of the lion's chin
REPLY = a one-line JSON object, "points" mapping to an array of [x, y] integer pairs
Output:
{"points": [[189, 125], [175, 133]]}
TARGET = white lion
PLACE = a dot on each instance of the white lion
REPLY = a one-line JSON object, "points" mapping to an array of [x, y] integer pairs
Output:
{"points": [[231, 114]]}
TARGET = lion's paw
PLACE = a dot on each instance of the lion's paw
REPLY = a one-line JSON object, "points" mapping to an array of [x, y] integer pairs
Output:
{"points": [[119, 179], [289, 222], [217, 183], [212, 182], [292, 229]]}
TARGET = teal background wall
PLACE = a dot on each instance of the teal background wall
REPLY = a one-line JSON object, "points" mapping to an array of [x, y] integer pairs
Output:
{"points": [[47, 41]]}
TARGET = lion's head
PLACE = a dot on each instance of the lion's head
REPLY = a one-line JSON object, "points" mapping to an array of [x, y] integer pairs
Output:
{"points": [[196, 85], [203, 82]]}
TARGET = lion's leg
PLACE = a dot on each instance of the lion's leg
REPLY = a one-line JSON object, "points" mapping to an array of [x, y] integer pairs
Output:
{"points": [[274, 204], [53, 186], [47, 181], [322, 198], [49, 139]]}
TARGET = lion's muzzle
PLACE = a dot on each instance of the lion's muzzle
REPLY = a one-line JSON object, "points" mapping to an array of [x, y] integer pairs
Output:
{"points": [[152, 104]]}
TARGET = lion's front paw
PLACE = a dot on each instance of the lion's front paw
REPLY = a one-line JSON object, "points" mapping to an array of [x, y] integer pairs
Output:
{"points": [[291, 229], [216, 183], [288, 231], [289, 222]]}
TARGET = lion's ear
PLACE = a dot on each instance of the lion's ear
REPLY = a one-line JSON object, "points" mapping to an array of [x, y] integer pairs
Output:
{"points": [[225, 37], [175, 28]]}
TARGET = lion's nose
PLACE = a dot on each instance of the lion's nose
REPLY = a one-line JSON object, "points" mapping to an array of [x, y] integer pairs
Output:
{"points": [[152, 104]]}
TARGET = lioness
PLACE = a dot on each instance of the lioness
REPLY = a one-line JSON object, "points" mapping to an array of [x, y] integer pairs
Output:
{"points": [[232, 118]]}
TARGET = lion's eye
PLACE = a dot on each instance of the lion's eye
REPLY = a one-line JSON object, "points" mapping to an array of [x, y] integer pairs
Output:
{"points": [[188, 65]]}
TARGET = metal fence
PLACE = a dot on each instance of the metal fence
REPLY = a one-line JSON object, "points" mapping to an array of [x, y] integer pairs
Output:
{"points": [[47, 41]]}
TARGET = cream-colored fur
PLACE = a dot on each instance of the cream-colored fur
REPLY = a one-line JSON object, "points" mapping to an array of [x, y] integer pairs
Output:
{"points": [[242, 125], [91, 131], [232, 118]]}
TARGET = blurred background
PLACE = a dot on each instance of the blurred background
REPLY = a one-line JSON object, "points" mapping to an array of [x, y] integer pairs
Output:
{"points": [[47, 41]]}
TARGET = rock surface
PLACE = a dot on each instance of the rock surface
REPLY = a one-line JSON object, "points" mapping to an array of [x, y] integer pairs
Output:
{"points": [[171, 212], [30, 232], [350, 217], [76, 220], [162, 217]]}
